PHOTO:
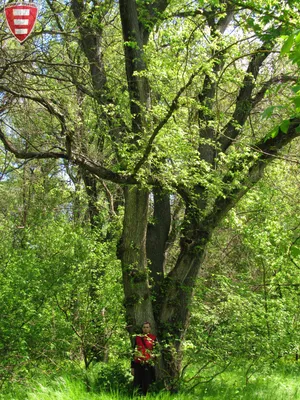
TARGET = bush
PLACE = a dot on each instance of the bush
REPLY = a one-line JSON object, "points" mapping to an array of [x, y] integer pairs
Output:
{"points": [[112, 377]]}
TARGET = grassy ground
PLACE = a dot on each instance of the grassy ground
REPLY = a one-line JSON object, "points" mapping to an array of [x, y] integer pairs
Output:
{"points": [[276, 386], [281, 384]]}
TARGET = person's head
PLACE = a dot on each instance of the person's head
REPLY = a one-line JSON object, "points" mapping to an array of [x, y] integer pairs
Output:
{"points": [[146, 327]]}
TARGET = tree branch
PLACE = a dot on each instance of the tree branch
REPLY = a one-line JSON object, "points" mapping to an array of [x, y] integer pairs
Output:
{"points": [[164, 121], [154, 12], [266, 85], [25, 155], [244, 99], [45, 103], [79, 160], [267, 151], [173, 107], [180, 281], [91, 43], [273, 16]]}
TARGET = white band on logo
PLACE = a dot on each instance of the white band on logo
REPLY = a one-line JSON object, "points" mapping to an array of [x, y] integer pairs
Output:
{"points": [[21, 31], [21, 21], [21, 12]]}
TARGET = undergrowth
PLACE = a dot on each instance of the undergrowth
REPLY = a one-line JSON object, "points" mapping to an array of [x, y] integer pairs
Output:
{"points": [[113, 382]]}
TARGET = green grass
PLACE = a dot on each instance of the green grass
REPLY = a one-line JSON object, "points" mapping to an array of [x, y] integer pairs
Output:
{"points": [[280, 384]]}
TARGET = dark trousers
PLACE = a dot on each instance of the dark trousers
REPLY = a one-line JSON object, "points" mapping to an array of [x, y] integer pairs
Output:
{"points": [[144, 375]]}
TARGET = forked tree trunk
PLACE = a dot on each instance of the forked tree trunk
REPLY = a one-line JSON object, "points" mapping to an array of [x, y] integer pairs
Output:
{"points": [[167, 308]]}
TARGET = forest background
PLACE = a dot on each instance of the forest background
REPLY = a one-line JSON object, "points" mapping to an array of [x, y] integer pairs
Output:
{"points": [[149, 172]]}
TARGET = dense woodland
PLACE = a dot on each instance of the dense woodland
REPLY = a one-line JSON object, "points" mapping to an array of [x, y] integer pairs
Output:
{"points": [[150, 172]]}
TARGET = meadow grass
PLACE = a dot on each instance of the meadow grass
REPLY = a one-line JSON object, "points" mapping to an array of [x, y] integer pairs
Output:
{"points": [[280, 384]]}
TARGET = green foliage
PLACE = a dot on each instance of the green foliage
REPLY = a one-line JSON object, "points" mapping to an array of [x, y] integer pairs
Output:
{"points": [[159, 118], [277, 383], [291, 47], [61, 294], [246, 307], [111, 377]]}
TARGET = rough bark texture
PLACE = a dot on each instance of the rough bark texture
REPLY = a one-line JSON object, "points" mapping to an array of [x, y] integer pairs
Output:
{"points": [[157, 236], [138, 302]]}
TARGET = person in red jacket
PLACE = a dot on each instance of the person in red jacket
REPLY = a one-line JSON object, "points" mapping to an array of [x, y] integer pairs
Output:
{"points": [[142, 366]]}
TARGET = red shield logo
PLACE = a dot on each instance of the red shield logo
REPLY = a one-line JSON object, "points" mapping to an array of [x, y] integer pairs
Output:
{"points": [[21, 19]]}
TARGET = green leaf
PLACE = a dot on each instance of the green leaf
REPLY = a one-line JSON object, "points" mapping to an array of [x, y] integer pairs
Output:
{"points": [[287, 45], [295, 251], [284, 126], [272, 134], [297, 38], [296, 88], [296, 101], [268, 112]]}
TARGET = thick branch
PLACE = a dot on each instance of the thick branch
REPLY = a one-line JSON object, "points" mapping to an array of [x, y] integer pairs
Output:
{"points": [[268, 150], [197, 232], [212, 16], [52, 5], [79, 160], [91, 42], [266, 85], [244, 99], [45, 103], [134, 62], [149, 15], [207, 148], [173, 107], [225, 21], [25, 155]]}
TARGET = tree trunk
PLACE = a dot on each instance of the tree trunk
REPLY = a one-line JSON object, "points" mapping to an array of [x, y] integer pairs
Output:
{"points": [[132, 251], [176, 300], [157, 237], [90, 183]]}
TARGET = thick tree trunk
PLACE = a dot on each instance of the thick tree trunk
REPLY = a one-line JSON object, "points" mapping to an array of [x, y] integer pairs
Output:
{"points": [[171, 302], [132, 251], [175, 303]]}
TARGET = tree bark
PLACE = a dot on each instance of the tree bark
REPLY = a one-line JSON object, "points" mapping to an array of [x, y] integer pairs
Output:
{"points": [[157, 237], [132, 251]]}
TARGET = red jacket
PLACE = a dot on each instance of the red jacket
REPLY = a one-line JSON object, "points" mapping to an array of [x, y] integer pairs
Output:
{"points": [[143, 348]]}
